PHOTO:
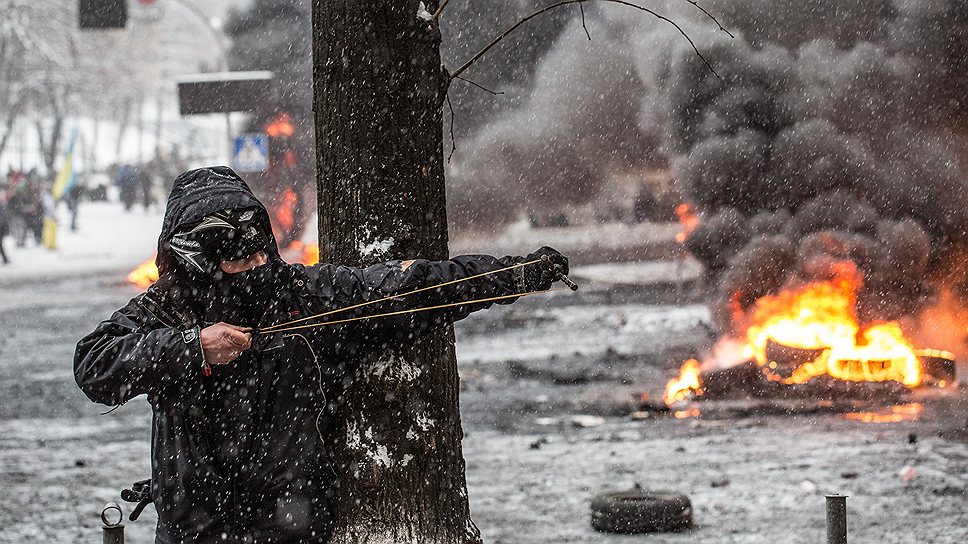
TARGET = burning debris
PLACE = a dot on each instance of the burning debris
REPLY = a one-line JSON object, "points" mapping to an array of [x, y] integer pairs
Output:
{"points": [[805, 333], [687, 219], [832, 308], [822, 177]]}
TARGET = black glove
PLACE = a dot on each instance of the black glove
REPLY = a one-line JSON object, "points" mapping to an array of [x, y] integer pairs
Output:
{"points": [[539, 276]]}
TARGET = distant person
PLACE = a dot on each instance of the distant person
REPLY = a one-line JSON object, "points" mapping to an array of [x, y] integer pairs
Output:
{"points": [[644, 207], [4, 225], [26, 209], [127, 182], [73, 201], [15, 221], [49, 207], [144, 181]]}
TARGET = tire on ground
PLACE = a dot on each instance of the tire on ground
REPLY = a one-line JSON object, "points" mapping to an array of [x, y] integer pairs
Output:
{"points": [[633, 512]]}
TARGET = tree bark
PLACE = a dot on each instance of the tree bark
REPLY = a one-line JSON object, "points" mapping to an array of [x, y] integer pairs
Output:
{"points": [[378, 94], [49, 142], [10, 120]]}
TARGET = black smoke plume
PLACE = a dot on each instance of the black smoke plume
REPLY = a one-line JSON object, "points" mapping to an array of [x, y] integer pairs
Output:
{"points": [[833, 142]]}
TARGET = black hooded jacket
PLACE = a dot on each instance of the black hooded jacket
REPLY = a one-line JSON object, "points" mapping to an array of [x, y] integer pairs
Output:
{"points": [[275, 483]]}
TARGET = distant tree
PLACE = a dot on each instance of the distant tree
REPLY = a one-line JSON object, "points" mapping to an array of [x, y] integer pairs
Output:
{"points": [[50, 77], [13, 84], [51, 72]]}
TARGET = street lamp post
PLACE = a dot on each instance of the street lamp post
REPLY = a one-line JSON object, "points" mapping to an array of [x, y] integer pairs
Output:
{"points": [[221, 42]]}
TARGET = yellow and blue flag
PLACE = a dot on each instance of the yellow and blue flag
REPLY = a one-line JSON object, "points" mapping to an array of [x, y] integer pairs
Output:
{"points": [[67, 177]]}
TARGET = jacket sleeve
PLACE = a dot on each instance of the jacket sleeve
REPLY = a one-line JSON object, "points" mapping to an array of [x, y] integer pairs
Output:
{"points": [[132, 353], [345, 286]]}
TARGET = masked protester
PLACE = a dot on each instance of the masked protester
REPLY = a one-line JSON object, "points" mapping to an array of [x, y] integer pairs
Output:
{"points": [[242, 422]]}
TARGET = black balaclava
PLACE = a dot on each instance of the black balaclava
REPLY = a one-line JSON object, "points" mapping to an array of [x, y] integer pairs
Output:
{"points": [[229, 235]]}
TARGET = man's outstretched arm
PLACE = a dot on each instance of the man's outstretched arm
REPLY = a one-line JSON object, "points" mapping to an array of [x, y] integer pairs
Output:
{"points": [[345, 286]]}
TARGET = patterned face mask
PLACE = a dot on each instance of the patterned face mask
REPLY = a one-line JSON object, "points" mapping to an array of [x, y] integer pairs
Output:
{"points": [[228, 235]]}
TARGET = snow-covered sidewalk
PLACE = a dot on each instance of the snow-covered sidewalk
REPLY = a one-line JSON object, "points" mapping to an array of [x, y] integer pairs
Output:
{"points": [[108, 241]]}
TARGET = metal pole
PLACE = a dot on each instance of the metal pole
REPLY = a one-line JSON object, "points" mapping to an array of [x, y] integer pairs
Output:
{"points": [[141, 131], [836, 519], [23, 144], [112, 530], [228, 137]]}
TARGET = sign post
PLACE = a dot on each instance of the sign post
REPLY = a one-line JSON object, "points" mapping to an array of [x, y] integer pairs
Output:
{"points": [[225, 92]]}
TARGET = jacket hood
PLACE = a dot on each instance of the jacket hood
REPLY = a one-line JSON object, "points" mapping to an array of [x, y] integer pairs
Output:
{"points": [[201, 192]]}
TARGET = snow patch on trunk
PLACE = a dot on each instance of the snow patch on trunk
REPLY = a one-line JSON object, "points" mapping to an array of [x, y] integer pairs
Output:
{"points": [[425, 422], [423, 14], [422, 423], [394, 367], [378, 454], [376, 248]]}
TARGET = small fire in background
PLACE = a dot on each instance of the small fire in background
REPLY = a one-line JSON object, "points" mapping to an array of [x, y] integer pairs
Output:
{"points": [[687, 219], [810, 331], [686, 385], [280, 126], [300, 252], [284, 209], [144, 274]]}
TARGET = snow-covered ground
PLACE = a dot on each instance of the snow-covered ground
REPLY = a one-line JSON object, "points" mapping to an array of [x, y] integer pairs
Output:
{"points": [[108, 241]]}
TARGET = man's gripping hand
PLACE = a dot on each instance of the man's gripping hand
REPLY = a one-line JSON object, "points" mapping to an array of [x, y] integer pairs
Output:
{"points": [[539, 276], [222, 343]]}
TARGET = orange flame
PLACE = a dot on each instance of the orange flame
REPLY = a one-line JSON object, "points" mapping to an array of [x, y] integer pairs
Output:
{"points": [[894, 414], [298, 252], [819, 317], [280, 126], [688, 219], [144, 274], [822, 316], [284, 210], [681, 388]]}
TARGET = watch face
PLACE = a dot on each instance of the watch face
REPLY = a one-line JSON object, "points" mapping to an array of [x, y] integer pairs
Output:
{"points": [[228, 235]]}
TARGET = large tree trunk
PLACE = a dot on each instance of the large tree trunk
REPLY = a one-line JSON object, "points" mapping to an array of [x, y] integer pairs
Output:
{"points": [[379, 90]]}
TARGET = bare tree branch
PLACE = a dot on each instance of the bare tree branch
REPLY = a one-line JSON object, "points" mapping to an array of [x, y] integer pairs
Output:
{"points": [[453, 139], [478, 85], [8, 123], [562, 3], [710, 15], [581, 7]]}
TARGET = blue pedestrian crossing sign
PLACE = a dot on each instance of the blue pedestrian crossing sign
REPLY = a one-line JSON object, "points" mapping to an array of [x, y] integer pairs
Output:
{"points": [[251, 153]]}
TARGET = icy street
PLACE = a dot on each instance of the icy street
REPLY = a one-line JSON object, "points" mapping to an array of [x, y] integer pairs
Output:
{"points": [[527, 371]]}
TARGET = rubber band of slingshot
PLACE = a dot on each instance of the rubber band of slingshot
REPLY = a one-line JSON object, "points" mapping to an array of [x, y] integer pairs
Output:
{"points": [[278, 327], [413, 310]]}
